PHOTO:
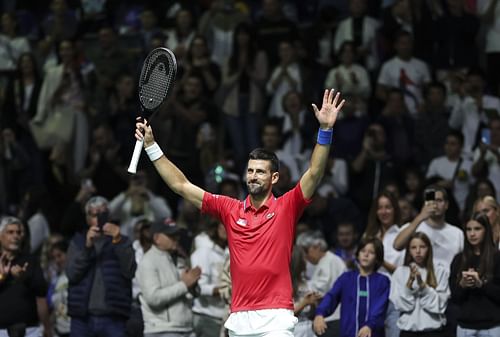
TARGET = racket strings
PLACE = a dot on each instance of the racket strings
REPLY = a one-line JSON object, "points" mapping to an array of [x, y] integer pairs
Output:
{"points": [[157, 76]]}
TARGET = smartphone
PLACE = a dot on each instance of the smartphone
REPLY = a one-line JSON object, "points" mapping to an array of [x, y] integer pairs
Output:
{"points": [[102, 218], [486, 136], [430, 195]]}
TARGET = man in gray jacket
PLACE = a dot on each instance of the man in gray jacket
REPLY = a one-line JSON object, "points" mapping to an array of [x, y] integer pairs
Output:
{"points": [[165, 299]]}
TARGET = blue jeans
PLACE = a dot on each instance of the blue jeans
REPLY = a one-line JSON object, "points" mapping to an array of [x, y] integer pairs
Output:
{"points": [[97, 326], [391, 320], [493, 332]]}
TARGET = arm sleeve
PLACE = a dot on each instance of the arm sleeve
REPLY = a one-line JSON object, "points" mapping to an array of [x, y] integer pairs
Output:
{"points": [[404, 299], [126, 257], [78, 262], [492, 288], [152, 292], [376, 315], [331, 299], [458, 293], [200, 257], [433, 300]]}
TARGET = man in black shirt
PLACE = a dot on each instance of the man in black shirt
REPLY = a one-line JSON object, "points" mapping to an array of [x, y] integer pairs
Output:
{"points": [[22, 286]]}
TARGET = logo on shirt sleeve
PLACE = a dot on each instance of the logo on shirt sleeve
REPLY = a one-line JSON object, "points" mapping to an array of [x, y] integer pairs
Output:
{"points": [[241, 222]]}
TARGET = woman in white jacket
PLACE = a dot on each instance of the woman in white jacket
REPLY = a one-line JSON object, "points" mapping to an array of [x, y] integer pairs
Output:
{"points": [[420, 291]]}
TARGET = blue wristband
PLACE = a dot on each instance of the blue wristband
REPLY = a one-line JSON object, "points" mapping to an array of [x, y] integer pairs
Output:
{"points": [[325, 136]]}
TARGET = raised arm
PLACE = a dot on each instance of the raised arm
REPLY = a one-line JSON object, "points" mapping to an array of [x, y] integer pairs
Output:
{"points": [[326, 118], [171, 175]]}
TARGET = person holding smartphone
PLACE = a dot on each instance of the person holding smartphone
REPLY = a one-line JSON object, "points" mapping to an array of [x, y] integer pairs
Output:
{"points": [[100, 267], [475, 281], [446, 239], [487, 155]]}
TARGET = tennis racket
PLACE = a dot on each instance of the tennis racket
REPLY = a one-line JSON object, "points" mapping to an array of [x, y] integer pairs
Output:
{"points": [[157, 78]]}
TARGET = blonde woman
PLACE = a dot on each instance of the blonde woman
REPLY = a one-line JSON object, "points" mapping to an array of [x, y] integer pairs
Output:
{"points": [[489, 206]]}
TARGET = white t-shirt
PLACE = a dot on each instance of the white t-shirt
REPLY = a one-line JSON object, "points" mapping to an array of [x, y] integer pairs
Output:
{"points": [[466, 116], [362, 88], [447, 241], [493, 32], [276, 106], [417, 74], [444, 168], [493, 169], [391, 255]]}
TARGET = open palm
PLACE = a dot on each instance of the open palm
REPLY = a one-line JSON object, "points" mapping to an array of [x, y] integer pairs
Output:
{"points": [[330, 108]]}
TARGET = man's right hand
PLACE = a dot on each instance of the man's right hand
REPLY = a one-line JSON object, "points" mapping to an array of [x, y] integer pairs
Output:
{"points": [[191, 276], [428, 209], [92, 234], [144, 132]]}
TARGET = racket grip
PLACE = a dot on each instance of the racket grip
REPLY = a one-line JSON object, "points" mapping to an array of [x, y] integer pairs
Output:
{"points": [[132, 168]]}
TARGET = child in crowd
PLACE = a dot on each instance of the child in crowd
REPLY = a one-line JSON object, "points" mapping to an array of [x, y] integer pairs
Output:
{"points": [[363, 293], [475, 281], [420, 291]]}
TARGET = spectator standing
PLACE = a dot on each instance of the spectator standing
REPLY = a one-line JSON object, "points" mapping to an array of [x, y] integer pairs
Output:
{"points": [[22, 286], [489, 206], [272, 28], [384, 221], [286, 76], [12, 45], [447, 240], [453, 169], [348, 76], [487, 157], [405, 72], [372, 168], [420, 290], [363, 294], [165, 305], [361, 29], [138, 201], [100, 268], [209, 308], [474, 109], [474, 281]]}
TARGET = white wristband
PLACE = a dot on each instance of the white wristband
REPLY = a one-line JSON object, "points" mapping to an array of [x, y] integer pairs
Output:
{"points": [[154, 152]]}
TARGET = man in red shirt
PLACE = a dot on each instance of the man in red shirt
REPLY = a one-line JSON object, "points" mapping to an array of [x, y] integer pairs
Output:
{"points": [[260, 229]]}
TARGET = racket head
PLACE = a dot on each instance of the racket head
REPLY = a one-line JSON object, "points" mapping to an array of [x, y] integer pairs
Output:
{"points": [[157, 78]]}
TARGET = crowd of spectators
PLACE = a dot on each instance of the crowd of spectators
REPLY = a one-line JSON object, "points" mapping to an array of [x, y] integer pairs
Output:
{"points": [[416, 150]]}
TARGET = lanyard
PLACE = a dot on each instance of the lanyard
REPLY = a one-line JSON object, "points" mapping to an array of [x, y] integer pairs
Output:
{"points": [[364, 293]]}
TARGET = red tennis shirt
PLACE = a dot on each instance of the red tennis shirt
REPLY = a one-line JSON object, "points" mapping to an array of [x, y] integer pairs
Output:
{"points": [[260, 245]]}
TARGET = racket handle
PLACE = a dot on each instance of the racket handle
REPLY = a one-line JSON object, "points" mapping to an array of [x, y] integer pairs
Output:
{"points": [[132, 168]]}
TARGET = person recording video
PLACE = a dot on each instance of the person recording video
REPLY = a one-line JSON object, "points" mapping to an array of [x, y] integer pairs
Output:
{"points": [[100, 268]]}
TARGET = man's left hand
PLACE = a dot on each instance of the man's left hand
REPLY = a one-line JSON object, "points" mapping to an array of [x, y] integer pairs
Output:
{"points": [[329, 109]]}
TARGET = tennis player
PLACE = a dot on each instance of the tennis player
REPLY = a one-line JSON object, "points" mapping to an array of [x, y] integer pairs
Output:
{"points": [[260, 229]]}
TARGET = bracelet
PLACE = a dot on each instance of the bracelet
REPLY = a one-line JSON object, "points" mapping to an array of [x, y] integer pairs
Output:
{"points": [[325, 136], [154, 152]]}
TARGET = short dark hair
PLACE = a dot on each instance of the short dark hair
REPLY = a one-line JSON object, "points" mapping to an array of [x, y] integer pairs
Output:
{"points": [[263, 154], [379, 250], [458, 135]]}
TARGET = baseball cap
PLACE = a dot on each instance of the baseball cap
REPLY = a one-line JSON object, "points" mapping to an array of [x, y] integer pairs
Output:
{"points": [[166, 226]]}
